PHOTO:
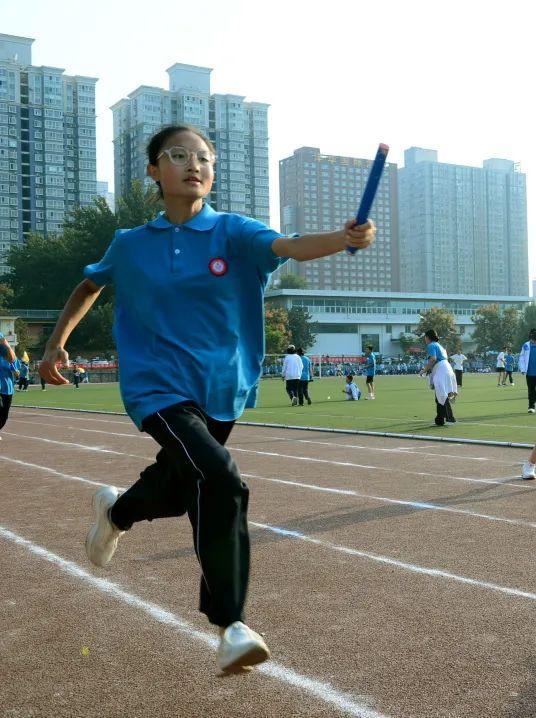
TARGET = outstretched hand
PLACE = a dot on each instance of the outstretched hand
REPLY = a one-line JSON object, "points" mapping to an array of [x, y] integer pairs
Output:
{"points": [[359, 236], [48, 369]]}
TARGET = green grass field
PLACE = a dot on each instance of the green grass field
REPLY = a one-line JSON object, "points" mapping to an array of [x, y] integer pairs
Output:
{"points": [[404, 404]]}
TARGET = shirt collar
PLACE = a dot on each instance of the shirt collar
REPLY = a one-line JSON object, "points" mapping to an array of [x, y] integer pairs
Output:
{"points": [[202, 222]]}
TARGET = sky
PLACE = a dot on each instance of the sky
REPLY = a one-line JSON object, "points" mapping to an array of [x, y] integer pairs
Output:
{"points": [[454, 76]]}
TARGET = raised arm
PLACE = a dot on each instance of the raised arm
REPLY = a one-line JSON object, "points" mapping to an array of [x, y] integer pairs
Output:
{"points": [[313, 246], [10, 354], [76, 308]]}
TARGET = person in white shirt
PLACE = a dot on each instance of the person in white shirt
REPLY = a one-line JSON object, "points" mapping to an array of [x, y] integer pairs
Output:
{"points": [[457, 364], [291, 373], [351, 389], [501, 361]]}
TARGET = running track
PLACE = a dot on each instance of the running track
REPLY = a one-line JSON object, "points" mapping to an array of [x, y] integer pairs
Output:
{"points": [[392, 580]]}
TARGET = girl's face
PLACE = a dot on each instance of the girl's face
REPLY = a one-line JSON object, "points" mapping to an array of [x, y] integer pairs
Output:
{"points": [[427, 340], [184, 168]]}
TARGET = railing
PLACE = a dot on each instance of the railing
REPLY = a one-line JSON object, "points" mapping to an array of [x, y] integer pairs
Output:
{"points": [[41, 314]]}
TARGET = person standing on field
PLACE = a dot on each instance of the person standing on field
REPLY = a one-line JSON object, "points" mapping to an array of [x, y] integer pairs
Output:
{"points": [[527, 366], [303, 386], [292, 371], [457, 364]]}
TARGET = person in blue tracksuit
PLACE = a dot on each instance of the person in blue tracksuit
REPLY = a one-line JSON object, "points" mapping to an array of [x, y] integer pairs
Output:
{"points": [[189, 302], [303, 386]]}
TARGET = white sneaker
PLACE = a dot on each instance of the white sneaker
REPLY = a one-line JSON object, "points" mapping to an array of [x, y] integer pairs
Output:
{"points": [[294, 401], [532, 411], [101, 541], [529, 471], [240, 647]]}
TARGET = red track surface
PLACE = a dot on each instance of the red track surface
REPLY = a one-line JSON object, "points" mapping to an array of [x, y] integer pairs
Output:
{"points": [[373, 605]]}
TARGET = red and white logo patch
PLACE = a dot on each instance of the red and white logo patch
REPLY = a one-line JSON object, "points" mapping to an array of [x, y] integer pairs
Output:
{"points": [[218, 266]]}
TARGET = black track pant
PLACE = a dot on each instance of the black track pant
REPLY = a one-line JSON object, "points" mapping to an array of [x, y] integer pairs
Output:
{"points": [[531, 386], [303, 391], [444, 412], [292, 387], [459, 376], [5, 405], [194, 473]]}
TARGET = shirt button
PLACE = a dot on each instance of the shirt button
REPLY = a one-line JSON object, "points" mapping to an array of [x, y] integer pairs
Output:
{"points": [[177, 251], [177, 229]]}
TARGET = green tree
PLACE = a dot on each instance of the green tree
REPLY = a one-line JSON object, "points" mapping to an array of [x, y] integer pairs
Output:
{"points": [[24, 339], [527, 321], [94, 333], [45, 270], [276, 329], [406, 341], [443, 322], [302, 328], [292, 281], [493, 328], [5, 296]]}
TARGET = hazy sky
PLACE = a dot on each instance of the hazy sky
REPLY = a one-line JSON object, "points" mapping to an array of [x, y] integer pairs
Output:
{"points": [[455, 76]]}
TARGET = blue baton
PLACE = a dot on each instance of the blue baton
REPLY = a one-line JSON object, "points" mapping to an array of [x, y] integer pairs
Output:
{"points": [[371, 187]]}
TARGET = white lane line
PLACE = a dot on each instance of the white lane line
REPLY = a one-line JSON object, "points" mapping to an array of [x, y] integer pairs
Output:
{"points": [[393, 470], [387, 560], [502, 482], [421, 505], [415, 568], [327, 693], [126, 422], [312, 487], [52, 471], [66, 427], [398, 450], [84, 447]]}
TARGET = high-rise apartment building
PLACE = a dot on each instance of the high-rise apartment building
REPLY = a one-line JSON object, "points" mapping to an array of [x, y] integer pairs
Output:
{"points": [[463, 230], [319, 193], [47, 144], [238, 129]]}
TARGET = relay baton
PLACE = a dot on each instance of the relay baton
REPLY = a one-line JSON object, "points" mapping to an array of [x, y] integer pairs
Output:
{"points": [[371, 187]]}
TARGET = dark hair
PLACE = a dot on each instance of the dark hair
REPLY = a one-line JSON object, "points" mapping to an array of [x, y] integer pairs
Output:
{"points": [[291, 349], [369, 347], [532, 334], [432, 335], [350, 376], [299, 351], [158, 140]]}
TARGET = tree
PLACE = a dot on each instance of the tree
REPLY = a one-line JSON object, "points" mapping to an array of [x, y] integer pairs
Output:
{"points": [[302, 329], [406, 341], [45, 270], [5, 295], [94, 333], [276, 329], [292, 281], [24, 340], [527, 321], [493, 328], [443, 322]]}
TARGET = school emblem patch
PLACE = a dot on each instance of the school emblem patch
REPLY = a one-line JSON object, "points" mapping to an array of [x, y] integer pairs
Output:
{"points": [[218, 266]]}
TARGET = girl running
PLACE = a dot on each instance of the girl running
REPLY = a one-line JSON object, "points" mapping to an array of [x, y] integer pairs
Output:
{"points": [[189, 289], [442, 378]]}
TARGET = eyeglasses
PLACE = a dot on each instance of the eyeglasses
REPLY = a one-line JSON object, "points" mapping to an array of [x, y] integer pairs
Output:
{"points": [[180, 156]]}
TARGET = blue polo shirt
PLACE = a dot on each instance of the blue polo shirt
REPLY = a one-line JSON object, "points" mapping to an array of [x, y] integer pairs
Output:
{"points": [[189, 310], [6, 375], [531, 367], [306, 371], [370, 365], [436, 350], [509, 362]]}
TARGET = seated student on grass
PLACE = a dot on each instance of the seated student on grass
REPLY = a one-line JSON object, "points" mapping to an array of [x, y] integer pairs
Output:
{"points": [[351, 389], [189, 301]]}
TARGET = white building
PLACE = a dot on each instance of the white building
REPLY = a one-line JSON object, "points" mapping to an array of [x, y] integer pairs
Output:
{"points": [[348, 321]]}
